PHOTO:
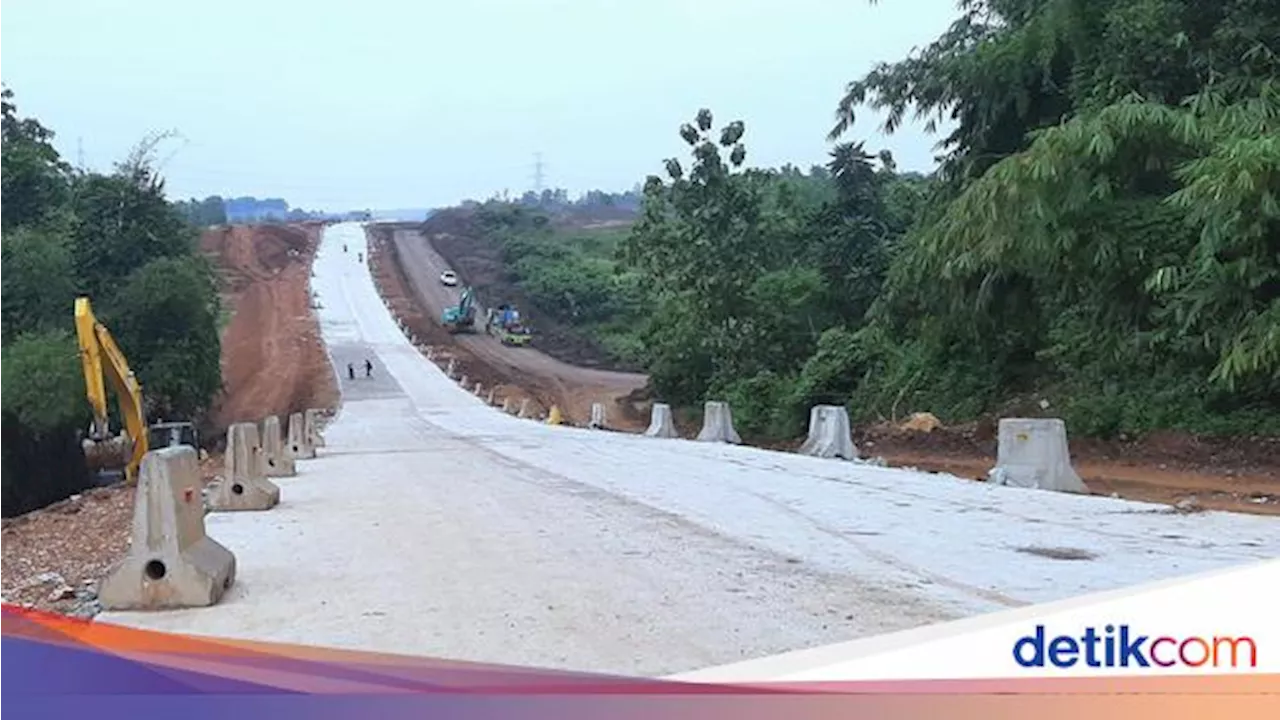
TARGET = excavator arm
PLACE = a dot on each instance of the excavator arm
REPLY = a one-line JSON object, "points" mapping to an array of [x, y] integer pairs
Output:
{"points": [[102, 359]]}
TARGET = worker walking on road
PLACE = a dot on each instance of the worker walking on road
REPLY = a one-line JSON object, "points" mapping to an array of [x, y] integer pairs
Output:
{"points": [[368, 369], [351, 371]]}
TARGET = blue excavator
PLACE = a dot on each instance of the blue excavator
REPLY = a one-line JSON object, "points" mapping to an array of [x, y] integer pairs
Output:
{"points": [[461, 317]]}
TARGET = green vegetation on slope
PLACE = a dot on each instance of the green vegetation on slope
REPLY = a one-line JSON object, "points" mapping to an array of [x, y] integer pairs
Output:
{"points": [[571, 274], [115, 238], [1103, 234]]}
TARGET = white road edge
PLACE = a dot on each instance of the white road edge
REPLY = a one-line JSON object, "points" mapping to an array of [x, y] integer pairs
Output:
{"points": [[434, 525]]}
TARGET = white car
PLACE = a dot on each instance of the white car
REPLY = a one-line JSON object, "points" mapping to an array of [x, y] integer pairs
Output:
{"points": [[449, 278]]}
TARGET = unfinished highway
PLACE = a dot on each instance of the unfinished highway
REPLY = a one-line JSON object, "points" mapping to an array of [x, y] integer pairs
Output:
{"points": [[432, 524]]}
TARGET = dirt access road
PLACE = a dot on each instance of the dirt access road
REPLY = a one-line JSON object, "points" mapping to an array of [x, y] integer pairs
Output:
{"points": [[546, 379], [273, 363]]}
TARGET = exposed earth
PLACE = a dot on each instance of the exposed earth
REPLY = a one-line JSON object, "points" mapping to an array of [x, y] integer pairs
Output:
{"points": [[407, 269], [1239, 474], [273, 362]]}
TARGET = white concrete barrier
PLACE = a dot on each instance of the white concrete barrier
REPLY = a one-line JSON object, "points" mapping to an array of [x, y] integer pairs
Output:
{"points": [[717, 424], [244, 485], [1033, 453], [598, 420], [171, 562], [312, 422], [279, 462], [829, 433], [660, 422], [299, 444]]}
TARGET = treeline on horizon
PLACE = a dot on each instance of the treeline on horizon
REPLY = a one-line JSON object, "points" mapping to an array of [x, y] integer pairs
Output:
{"points": [[216, 210], [1100, 242]]}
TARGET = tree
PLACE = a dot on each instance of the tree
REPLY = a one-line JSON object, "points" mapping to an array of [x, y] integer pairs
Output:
{"points": [[699, 239], [118, 239], [39, 281], [1108, 223], [166, 318], [35, 178], [124, 221]]}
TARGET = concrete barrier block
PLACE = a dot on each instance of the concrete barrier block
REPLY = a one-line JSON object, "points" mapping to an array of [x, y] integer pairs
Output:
{"points": [[830, 435], [717, 424], [451, 370], [171, 562], [279, 462], [493, 393], [524, 410], [464, 382], [660, 422], [298, 444], [598, 420], [478, 390], [1033, 453], [311, 424], [244, 484]]}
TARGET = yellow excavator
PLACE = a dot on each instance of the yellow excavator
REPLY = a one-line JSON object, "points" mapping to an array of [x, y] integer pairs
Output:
{"points": [[99, 355], [104, 452]]}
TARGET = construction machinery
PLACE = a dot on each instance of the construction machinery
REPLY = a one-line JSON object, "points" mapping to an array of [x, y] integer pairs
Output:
{"points": [[172, 434], [461, 317], [101, 359], [504, 321]]}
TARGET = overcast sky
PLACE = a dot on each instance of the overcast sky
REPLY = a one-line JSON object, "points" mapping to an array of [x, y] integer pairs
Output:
{"points": [[423, 103]]}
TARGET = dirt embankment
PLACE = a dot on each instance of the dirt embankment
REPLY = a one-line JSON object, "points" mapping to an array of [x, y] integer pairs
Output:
{"points": [[273, 358], [406, 269], [273, 362], [1239, 474], [457, 241]]}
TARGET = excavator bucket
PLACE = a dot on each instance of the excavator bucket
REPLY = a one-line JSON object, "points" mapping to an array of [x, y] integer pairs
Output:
{"points": [[108, 456]]}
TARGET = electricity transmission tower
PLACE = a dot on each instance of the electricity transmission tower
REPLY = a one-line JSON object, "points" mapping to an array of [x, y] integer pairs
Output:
{"points": [[539, 173]]}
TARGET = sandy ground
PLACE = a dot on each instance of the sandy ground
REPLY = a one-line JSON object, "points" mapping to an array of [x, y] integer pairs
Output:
{"points": [[433, 524]]}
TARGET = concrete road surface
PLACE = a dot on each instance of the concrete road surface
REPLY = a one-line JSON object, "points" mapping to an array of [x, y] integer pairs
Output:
{"points": [[432, 524]]}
